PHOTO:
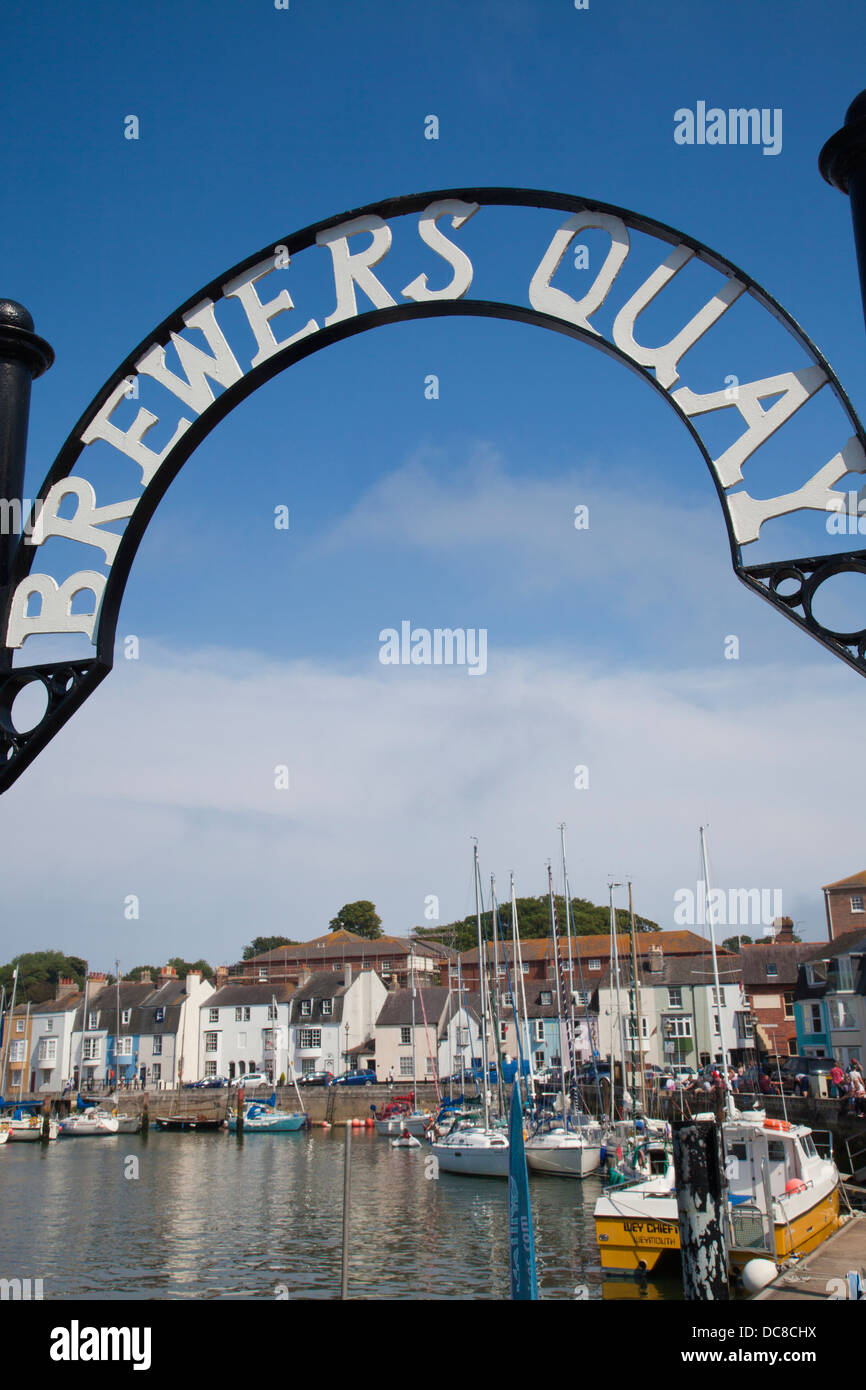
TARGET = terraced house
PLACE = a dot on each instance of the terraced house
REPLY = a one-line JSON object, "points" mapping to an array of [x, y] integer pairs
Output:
{"points": [[830, 1003], [333, 1017]]}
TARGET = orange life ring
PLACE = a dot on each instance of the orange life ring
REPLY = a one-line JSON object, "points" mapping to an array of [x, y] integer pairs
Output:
{"points": [[777, 1124]]}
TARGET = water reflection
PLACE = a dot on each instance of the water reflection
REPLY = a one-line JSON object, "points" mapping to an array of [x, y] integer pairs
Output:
{"points": [[214, 1216]]}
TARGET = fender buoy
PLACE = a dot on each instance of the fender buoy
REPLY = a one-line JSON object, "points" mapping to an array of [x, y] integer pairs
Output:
{"points": [[795, 1185]]}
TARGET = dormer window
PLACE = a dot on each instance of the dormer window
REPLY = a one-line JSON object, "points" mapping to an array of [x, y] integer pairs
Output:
{"points": [[594, 964], [159, 1015], [327, 1006], [306, 1008], [93, 1020], [772, 969], [546, 997], [126, 1015]]}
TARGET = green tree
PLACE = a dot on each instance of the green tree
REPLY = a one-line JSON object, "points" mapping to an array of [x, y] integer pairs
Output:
{"points": [[183, 967], [360, 918], [139, 970], [733, 943], [260, 944], [39, 972], [533, 918]]}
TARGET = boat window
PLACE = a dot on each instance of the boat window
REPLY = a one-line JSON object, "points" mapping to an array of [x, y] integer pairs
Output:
{"points": [[808, 1145], [776, 1151], [738, 1151]]}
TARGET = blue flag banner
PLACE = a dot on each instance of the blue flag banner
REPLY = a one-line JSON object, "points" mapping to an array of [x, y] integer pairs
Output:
{"points": [[522, 1242]]}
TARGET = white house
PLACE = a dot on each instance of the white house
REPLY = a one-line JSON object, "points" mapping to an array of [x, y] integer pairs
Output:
{"points": [[446, 1031], [333, 1018], [167, 1030], [242, 1028], [52, 1025]]}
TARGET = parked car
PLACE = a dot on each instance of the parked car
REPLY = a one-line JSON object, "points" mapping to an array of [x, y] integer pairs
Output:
{"points": [[316, 1078], [808, 1067], [208, 1082], [252, 1080], [354, 1078]]}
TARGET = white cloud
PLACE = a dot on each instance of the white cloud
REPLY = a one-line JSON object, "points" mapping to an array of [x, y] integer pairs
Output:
{"points": [[163, 786]]}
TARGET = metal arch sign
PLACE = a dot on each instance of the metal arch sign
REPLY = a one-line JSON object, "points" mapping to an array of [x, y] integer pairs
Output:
{"points": [[38, 602]]}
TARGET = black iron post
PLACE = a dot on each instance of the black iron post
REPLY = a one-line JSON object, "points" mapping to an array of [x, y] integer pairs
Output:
{"points": [[23, 356], [843, 164]]}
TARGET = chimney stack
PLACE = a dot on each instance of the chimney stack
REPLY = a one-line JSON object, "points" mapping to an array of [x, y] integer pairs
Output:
{"points": [[656, 959], [65, 986], [222, 975], [167, 973], [193, 979], [783, 928]]}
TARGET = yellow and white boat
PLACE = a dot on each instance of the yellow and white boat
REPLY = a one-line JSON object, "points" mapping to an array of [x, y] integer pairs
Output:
{"points": [[783, 1200]]}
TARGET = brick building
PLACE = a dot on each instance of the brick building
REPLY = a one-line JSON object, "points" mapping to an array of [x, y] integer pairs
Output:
{"points": [[770, 971], [845, 905]]}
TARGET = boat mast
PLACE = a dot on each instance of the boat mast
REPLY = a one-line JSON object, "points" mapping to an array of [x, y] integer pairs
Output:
{"points": [[483, 983], [558, 994], [414, 1063], [8, 1038], [567, 923], [729, 1104], [529, 1080], [637, 1004], [495, 1011], [117, 1026], [615, 953], [26, 1050]]}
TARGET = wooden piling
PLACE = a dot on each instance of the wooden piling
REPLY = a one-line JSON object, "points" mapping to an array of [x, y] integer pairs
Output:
{"points": [[701, 1207], [347, 1180], [145, 1115], [46, 1121], [240, 1111]]}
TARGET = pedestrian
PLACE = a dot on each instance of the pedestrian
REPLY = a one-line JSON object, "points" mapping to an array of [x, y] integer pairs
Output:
{"points": [[837, 1077], [766, 1085], [858, 1092], [391, 1078]]}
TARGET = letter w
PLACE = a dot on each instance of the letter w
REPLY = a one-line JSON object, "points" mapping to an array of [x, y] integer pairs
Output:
{"points": [[194, 391]]}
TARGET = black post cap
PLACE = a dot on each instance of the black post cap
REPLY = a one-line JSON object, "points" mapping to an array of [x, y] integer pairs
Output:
{"points": [[18, 340], [847, 148]]}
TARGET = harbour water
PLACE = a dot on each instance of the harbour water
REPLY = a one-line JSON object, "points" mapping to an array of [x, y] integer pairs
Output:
{"points": [[209, 1216]]}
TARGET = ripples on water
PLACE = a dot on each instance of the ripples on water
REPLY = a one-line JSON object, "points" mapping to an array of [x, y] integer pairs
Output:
{"points": [[211, 1216]]}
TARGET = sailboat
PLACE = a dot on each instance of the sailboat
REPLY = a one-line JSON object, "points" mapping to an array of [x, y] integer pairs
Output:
{"points": [[573, 1147], [783, 1197], [477, 1150]]}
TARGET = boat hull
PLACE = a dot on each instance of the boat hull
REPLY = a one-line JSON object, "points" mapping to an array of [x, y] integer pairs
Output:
{"points": [[633, 1239], [23, 1132], [185, 1122], [280, 1124], [563, 1160], [473, 1157]]}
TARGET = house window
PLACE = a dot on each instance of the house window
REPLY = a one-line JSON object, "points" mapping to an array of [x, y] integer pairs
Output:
{"points": [[745, 1027], [429, 1066], [306, 1008], [157, 1047], [503, 1032], [272, 1012], [156, 1071], [524, 967], [581, 996], [406, 1066], [772, 970], [813, 1019], [159, 1016], [48, 1051], [405, 1037], [17, 1051], [92, 1020], [678, 1027], [210, 1043], [789, 1006], [90, 1051], [327, 1006], [841, 1016], [49, 1025], [546, 997], [213, 1016], [263, 972], [309, 1037], [538, 1025], [857, 904], [539, 1061], [594, 964], [675, 998], [385, 966], [844, 973], [462, 1037], [126, 1015], [210, 1069], [124, 1048], [242, 1014], [631, 1028]]}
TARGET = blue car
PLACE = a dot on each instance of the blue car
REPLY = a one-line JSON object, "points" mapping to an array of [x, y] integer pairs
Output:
{"points": [[355, 1078]]}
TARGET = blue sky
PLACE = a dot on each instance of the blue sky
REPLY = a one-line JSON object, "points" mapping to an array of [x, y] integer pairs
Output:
{"points": [[260, 647]]}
